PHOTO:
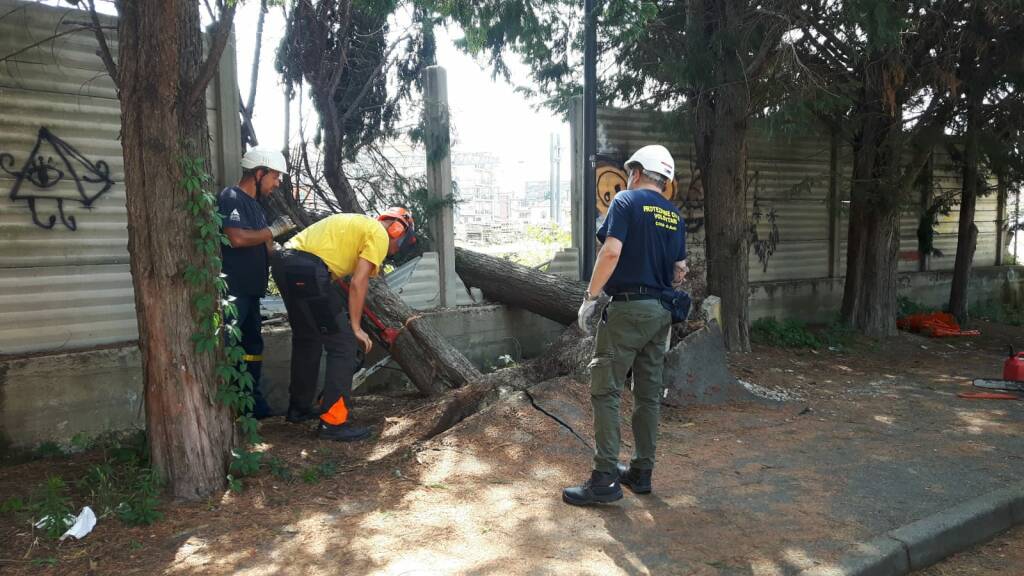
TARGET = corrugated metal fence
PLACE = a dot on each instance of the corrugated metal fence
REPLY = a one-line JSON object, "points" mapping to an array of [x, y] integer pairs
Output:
{"points": [[789, 192], [64, 276]]}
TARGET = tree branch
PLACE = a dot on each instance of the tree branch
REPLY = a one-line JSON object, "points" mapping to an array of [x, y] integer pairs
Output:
{"points": [[104, 50], [209, 67], [251, 103], [44, 41]]}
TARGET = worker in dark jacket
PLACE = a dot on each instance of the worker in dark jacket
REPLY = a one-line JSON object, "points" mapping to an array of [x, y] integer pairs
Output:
{"points": [[643, 255], [246, 256]]}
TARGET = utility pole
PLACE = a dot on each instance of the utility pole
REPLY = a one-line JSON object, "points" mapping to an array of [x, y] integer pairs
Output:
{"points": [[556, 175], [589, 139]]}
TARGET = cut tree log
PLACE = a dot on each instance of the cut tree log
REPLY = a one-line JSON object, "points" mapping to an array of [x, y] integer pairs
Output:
{"points": [[427, 358], [549, 295], [569, 355]]}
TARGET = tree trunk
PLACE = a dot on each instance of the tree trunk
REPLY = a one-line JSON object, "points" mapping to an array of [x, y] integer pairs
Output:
{"points": [[548, 295], [967, 232], [160, 53], [720, 108], [334, 173], [869, 294], [427, 358], [721, 146]]}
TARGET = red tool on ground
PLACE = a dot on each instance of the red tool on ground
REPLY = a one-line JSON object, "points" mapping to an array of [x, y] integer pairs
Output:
{"points": [[1013, 381], [387, 334]]}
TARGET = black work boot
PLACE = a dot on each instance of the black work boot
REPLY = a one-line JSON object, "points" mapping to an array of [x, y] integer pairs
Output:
{"points": [[297, 415], [638, 481], [346, 432], [601, 488]]}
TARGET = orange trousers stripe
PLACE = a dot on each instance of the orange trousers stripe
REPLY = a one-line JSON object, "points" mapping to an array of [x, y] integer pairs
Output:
{"points": [[337, 414]]}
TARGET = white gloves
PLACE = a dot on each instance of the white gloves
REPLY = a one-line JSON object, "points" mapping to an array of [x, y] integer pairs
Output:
{"points": [[590, 308], [282, 225]]}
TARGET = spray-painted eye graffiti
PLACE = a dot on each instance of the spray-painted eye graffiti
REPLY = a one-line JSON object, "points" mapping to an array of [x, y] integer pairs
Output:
{"points": [[51, 162]]}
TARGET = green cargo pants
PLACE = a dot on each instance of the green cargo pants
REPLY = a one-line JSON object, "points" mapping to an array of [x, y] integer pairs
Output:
{"points": [[635, 335]]}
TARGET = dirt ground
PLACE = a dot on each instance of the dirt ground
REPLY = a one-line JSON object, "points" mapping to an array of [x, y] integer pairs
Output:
{"points": [[873, 438]]}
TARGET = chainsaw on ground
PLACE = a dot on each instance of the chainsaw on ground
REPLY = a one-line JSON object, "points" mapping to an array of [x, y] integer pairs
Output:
{"points": [[1013, 375]]}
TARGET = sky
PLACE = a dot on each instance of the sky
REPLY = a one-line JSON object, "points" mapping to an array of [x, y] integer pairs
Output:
{"points": [[487, 115]]}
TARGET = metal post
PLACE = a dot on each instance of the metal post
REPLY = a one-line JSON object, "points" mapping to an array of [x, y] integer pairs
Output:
{"points": [[439, 178], [589, 138], [229, 126]]}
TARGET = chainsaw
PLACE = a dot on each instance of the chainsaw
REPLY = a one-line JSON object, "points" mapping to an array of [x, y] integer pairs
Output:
{"points": [[1013, 375]]}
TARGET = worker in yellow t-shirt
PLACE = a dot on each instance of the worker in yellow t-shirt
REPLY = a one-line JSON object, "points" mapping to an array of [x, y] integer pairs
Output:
{"points": [[338, 246]]}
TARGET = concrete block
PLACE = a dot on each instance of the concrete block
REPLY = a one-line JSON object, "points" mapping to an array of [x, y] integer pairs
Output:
{"points": [[882, 556], [696, 372], [1015, 494], [933, 538], [50, 398]]}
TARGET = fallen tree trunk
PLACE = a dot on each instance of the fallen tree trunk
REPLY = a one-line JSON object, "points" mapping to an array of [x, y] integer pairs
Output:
{"points": [[427, 358], [570, 354], [549, 295]]}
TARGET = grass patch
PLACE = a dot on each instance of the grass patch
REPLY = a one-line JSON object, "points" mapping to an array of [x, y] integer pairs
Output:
{"points": [[796, 334], [784, 334], [998, 312]]}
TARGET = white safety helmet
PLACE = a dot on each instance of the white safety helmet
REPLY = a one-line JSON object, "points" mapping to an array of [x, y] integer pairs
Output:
{"points": [[264, 157], [654, 158]]}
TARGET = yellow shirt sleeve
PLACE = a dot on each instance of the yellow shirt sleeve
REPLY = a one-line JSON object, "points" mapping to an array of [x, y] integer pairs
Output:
{"points": [[375, 247]]}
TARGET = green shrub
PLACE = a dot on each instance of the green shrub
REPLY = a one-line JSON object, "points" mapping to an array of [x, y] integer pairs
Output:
{"points": [[906, 307], [785, 334], [51, 507]]}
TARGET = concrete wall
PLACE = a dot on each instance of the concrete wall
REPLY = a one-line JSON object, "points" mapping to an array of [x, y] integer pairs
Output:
{"points": [[818, 300], [52, 397]]}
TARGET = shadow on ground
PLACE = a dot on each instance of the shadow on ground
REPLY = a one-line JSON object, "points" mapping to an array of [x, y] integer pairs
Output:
{"points": [[878, 440]]}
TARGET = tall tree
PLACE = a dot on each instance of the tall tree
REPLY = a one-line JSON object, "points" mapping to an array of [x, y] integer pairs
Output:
{"points": [[879, 60], [990, 48], [343, 52], [713, 61], [161, 76]]}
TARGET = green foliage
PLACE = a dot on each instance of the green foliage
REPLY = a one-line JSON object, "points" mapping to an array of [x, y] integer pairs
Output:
{"points": [[12, 505], [235, 484], [48, 450], [47, 562], [279, 469], [906, 306], [359, 81], [1002, 313], [218, 332], [316, 473], [245, 463], [310, 475], [81, 442], [785, 334], [123, 484], [139, 509], [51, 507]]}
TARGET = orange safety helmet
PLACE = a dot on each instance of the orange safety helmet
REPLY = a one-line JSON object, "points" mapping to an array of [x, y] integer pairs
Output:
{"points": [[402, 227]]}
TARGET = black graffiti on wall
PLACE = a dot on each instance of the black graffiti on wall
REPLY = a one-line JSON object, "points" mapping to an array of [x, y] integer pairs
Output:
{"points": [[763, 247], [51, 162]]}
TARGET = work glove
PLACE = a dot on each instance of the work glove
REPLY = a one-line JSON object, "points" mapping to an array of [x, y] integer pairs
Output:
{"points": [[591, 307], [282, 225]]}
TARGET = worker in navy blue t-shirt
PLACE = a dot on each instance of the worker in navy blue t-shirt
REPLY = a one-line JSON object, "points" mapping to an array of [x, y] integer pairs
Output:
{"points": [[246, 258], [643, 255]]}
